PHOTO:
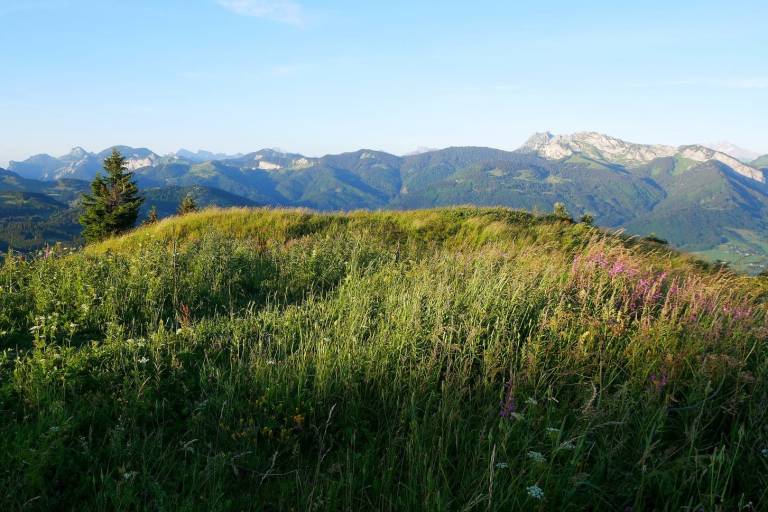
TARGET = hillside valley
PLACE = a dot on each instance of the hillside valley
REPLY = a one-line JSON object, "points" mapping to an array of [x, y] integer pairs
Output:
{"points": [[699, 199]]}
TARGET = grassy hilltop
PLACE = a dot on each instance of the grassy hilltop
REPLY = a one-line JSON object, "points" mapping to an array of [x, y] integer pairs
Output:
{"points": [[450, 359]]}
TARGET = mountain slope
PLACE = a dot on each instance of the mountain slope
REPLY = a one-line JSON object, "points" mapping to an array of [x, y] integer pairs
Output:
{"points": [[201, 155], [64, 190], [526, 181], [644, 188], [167, 199], [704, 205], [79, 163], [36, 213], [610, 149], [743, 154]]}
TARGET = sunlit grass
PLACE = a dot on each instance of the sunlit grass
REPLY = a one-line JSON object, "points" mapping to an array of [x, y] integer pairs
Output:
{"points": [[456, 359]]}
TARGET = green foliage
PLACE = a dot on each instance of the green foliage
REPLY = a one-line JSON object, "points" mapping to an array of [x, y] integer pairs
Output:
{"points": [[114, 202], [561, 212], [655, 239], [761, 163], [187, 205], [587, 219], [449, 359], [151, 217]]}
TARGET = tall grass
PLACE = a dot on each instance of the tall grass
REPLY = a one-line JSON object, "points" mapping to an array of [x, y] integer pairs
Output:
{"points": [[458, 359]]}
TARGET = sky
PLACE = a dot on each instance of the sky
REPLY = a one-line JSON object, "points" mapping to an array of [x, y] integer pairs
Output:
{"points": [[320, 77]]}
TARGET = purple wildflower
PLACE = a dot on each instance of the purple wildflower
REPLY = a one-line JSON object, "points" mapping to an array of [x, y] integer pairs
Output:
{"points": [[659, 381], [507, 405]]}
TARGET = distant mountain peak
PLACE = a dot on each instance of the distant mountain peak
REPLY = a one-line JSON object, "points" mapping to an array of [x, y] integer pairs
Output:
{"points": [[613, 150], [420, 150], [202, 155], [743, 154], [700, 153], [77, 152], [594, 145]]}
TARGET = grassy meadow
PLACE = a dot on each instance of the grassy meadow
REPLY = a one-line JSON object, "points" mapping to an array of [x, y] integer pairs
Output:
{"points": [[465, 359]]}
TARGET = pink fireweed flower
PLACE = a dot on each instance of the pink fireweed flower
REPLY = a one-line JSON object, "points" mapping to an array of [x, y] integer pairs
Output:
{"points": [[736, 312], [507, 405], [658, 381], [618, 268]]}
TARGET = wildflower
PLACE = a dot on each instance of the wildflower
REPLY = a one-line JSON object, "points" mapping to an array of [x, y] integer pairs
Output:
{"points": [[502, 465], [764, 452], [537, 457], [143, 360], [508, 406], [659, 381], [618, 268], [575, 264], [535, 492]]}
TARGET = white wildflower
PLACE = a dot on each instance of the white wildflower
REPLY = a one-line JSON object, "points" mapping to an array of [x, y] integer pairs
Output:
{"points": [[502, 465], [143, 360], [537, 457], [535, 492]]}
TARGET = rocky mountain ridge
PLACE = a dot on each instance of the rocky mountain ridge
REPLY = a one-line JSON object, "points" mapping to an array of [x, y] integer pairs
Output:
{"points": [[613, 150]]}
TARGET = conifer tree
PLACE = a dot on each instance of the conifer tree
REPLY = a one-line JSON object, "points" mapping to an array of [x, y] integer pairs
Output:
{"points": [[151, 216], [113, 204], [188, 205], [561, 212]]}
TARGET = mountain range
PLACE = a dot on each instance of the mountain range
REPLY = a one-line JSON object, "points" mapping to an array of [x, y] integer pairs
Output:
{"points": [[699, 198]]}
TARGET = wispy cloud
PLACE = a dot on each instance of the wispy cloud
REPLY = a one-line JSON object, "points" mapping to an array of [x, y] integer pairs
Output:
{"points": [[284, 11]]}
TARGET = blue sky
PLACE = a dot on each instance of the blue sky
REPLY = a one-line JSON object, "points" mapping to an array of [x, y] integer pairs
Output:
{"points": [[328, 76]]}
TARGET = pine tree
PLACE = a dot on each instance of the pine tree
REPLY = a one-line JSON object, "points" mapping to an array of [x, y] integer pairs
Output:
{"points": [[113, 204], [151, 217], [561, 212], [188, 205]]}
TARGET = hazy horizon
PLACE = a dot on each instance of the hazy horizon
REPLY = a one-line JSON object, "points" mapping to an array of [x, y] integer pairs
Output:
{"points": [[327, 77]]}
